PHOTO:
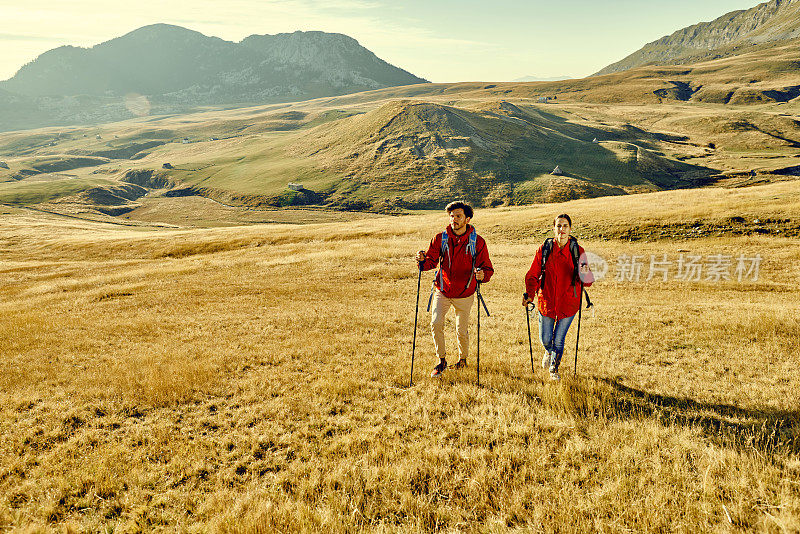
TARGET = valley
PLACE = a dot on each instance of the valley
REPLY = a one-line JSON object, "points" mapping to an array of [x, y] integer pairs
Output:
{"points": [[390, 152]]}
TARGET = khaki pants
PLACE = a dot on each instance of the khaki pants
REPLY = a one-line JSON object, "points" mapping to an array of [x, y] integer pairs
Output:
{"points": [[439, 307]]}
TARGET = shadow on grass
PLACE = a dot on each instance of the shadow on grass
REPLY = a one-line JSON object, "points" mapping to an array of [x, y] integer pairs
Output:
{"points": [[766, 432]]}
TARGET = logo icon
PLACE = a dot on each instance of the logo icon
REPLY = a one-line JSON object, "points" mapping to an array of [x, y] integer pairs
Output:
{"points": [[597, 265]]}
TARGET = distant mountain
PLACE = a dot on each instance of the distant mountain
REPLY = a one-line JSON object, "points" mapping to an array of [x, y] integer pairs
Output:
{"points": [[537, 79], [178, 69], [731, 34]]}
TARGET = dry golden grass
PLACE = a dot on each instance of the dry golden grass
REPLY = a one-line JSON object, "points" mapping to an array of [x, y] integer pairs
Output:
{"points": [[255, 379]]}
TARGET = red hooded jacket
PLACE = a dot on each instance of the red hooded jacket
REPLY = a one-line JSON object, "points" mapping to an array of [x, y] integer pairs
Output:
{"points": [[558, 298], [457, 266]]}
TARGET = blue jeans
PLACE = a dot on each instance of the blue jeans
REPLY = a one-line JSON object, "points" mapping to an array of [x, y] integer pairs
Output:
{"points": [[553, 334]]}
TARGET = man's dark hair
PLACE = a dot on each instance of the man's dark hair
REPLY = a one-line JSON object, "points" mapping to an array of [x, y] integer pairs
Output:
{"points": [[563, 216], [459, 204]]}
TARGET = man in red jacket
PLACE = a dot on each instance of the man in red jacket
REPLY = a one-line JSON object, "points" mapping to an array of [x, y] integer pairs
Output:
{"points": [[463, 263], [557, 289]]}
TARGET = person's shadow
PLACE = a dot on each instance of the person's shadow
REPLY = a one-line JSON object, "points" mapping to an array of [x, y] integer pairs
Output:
{"points": [[766, 431]]}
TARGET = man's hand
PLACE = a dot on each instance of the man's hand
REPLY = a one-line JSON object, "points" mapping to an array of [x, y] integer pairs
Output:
{"points": [[526, 300], [479, 276], [420, 256]]}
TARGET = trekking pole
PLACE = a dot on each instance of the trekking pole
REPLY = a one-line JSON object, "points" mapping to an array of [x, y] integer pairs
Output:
{"points": [[416, 313], [528, 317], [481, 302], [578, 334], [478, 290]]}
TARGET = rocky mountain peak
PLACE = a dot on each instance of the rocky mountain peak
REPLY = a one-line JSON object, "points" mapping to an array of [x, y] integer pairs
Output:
{"points": [[730, 34], [178, 68]]}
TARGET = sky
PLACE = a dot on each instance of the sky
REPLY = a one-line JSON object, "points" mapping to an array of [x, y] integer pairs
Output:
{"points": [[439, 40]]}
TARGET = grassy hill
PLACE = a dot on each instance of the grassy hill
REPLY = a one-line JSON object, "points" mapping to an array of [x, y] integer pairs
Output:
{"points": [[728, 121], [386, 155], [256, 378], [492, 153]]}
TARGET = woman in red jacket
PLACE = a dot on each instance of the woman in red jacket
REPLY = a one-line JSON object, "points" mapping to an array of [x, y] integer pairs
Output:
{"points": [[557, 289]]}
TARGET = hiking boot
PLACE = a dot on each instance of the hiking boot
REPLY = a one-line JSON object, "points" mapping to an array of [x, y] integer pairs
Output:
{"points": [[439, 369], [460, 364], [554, 375], [546, 359]]}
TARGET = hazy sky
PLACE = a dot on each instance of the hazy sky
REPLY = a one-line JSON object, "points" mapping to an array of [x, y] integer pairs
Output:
{"points": [[441, 40]]}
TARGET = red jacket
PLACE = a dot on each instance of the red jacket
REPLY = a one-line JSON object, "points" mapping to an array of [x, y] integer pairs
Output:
{"points": [[457, 266], [558, 298]]}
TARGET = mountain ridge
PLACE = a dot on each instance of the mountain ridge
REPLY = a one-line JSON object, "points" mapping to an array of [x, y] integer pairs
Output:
{"points": [[177, 69], [730, 34]]}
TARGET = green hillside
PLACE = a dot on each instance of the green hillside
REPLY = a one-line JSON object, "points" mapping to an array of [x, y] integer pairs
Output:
{"points": [[411, 154], [501, 153], [731, 121]]}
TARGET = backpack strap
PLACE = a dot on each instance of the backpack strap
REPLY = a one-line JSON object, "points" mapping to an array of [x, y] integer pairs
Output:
{"points": [[430, 297], [442, 254], [576, 254], [547, 248], [471, 250], [576, 278], [472, 245]]}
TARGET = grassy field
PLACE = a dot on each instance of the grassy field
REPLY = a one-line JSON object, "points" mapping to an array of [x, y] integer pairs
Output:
{"points": [[256, 379]]}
